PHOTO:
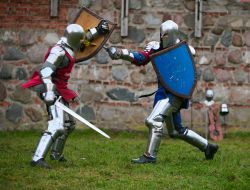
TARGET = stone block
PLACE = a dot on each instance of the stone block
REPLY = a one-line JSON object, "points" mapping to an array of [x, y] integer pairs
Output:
{"points": [[6, 71], [205, 60], [12, 53], [87, 113], [102, 57], [223, 75], [21, 95], [247, 38], [8, 37], [226, 38], [117, 4], [237, 40], [51, 38], [210, 39], [152, 20], [138, 19], [36, 53], [198, 73], [240, 95], [217, 30], [208, 21], [220, 59], [221, 93], [88, 94], [107, 113], [27, 37], [240, 76], [120, 73], [136, 77], [189, 20], [85, 3], [239, 116], [121, 94], [246, 58], [135, 4], [34, 114], [190, 5], [14, 113], [149, 75], [3, 91], [72, 13], [115, 37], [136, 35], [208, 75], [235, 56]]}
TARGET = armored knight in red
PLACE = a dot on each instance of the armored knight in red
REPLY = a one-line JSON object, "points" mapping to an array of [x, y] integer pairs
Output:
{"points": [[51, 81]]}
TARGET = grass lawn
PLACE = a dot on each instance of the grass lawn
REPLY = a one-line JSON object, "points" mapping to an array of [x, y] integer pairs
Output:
{"points": [[96, 163]]}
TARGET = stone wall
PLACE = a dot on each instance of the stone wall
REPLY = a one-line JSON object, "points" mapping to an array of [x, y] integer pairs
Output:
{"points": [[108, 89]]}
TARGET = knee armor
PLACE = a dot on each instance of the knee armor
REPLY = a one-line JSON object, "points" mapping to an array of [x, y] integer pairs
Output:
{"points": [[155, 124], [58, 146], [55, 129]]}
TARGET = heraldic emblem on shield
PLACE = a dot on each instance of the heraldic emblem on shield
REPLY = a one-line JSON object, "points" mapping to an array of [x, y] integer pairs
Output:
{"points": [[88, 19], [176, 70]]}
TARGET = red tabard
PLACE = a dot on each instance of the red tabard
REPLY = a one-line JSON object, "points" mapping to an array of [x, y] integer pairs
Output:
{"points": [[60, 78]]}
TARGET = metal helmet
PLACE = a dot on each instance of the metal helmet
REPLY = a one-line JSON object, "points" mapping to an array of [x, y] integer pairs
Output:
{"points": [[209, 94], [73, 34], [169, 33]]}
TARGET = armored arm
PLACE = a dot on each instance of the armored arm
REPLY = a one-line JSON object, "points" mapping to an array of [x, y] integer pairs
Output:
{"points": [[137, 58], [124, 54], [53, 61], [101, 29]]}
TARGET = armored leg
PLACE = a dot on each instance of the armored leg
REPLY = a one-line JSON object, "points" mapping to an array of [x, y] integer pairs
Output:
{"points": [[191, 137], [55, 129], [194, 139], [155, 125], [58, 146], [154, 122]]}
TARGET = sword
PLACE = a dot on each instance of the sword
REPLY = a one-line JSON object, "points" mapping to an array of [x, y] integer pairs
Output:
{"points": [[75, 115]]}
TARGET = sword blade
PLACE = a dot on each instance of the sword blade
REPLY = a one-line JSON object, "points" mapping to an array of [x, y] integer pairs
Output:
{"points": [[75, 115]]}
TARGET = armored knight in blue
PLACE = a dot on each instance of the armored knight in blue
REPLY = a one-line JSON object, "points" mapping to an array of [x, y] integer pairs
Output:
{"points": [[167, 106]]}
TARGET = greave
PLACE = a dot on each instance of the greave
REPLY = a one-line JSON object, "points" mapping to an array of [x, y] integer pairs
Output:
{"points": [[194, 139], [43, 146], [55, 129], [58, 146], [155, 124], [154, 141]]}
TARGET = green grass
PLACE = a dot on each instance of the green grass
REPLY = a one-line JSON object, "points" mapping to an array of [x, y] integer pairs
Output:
{"points": [[96, 163]]}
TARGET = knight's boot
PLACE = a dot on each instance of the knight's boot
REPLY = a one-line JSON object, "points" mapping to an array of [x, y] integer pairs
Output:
{"points": [[155, 125], [42, 150], [211, 150], [198, 141], [41, 163], [144, 159], [58, 146]]}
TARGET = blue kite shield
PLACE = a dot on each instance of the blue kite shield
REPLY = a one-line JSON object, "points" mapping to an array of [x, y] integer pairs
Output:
{"points": [[175, 69]]}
